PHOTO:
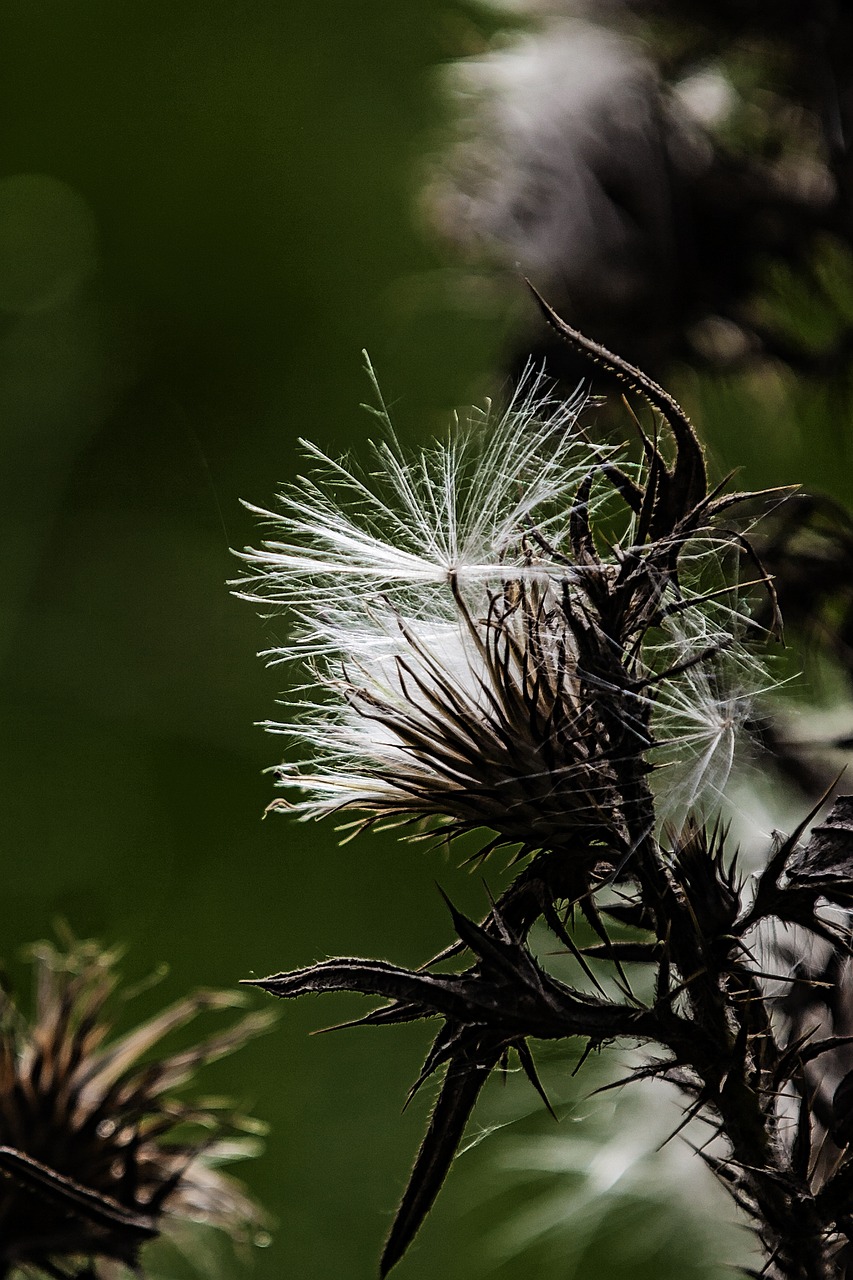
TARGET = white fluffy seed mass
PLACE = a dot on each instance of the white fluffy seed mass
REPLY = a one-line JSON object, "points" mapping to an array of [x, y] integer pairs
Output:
{"points": [[434, 602]]}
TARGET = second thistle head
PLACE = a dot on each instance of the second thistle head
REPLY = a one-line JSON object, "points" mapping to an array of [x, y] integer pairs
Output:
{"points": [[100, 1146]]}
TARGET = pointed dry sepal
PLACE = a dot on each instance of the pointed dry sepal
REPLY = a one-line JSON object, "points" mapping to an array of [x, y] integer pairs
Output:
{"points": [[675, 493], [468, 1069]]}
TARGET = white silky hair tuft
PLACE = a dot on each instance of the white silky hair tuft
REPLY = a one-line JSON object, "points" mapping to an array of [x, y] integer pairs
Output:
{"points": [[428, 596], [461, 506]]}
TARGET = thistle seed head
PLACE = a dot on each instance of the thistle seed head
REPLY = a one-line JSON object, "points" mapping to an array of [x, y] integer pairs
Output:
{"points": [[497, 632]]}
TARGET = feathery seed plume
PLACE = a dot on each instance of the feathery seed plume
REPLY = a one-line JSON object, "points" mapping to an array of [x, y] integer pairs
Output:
{"points": [[495, 625]]}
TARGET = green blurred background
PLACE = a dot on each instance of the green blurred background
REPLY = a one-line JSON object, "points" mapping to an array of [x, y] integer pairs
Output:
{"points": [[206, 211]]}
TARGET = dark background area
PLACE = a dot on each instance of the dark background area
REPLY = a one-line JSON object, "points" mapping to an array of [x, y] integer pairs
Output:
{"points": [[206, 212]]}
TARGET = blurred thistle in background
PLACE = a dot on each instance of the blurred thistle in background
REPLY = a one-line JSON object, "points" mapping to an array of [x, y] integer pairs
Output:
{"points": [[101, 1149], [665, 174]]}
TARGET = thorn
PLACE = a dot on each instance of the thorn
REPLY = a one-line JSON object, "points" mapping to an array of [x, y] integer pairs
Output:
{"points": [[525, 1057]]}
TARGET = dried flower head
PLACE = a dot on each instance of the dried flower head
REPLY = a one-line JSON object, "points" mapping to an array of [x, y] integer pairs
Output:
{"points": [[499, 625], [98, 1147]]}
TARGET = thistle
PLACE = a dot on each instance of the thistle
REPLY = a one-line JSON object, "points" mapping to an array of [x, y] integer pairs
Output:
{"points": [[479, 660], [99, 1147], [525, 632]]}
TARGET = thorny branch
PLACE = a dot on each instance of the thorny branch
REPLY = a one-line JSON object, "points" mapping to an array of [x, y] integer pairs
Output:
{"points": [[566, 680]]}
